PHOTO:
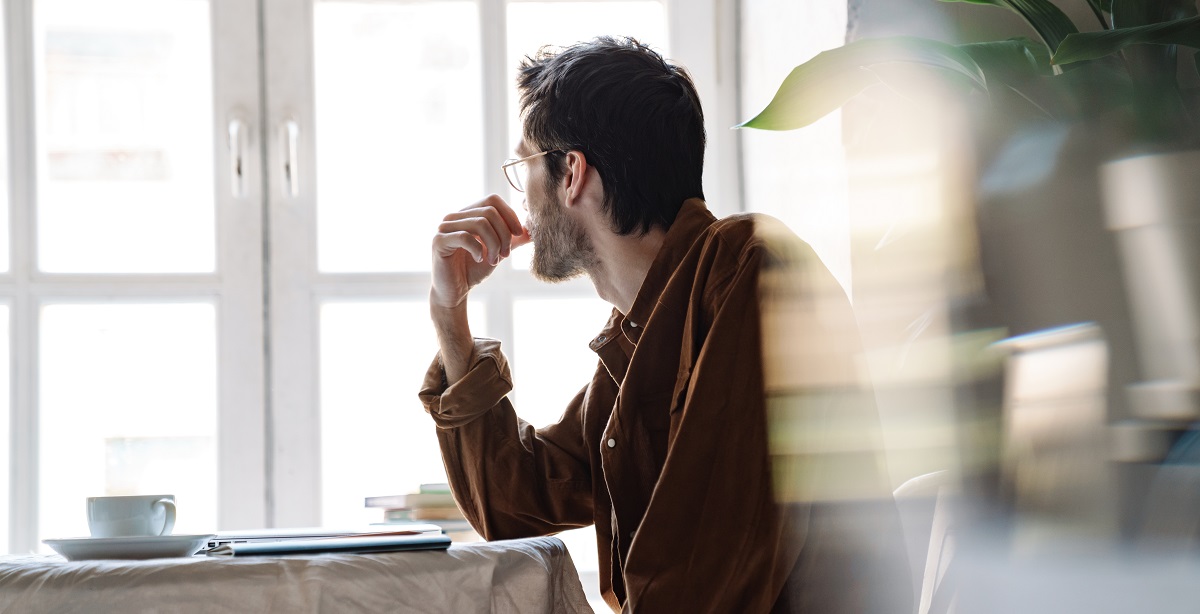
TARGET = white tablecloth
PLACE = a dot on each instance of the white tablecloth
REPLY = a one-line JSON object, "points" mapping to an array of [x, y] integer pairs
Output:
{"points": [[528, 575]]}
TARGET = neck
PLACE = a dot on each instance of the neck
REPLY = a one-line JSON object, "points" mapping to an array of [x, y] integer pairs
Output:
{"points": [[622, 265]]}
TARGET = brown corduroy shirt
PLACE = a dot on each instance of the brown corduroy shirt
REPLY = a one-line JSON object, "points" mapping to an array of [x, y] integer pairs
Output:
{"points": [[665, 450]]}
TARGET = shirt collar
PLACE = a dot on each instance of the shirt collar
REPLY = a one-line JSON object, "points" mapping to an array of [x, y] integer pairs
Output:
{"points": [[692, 219]]}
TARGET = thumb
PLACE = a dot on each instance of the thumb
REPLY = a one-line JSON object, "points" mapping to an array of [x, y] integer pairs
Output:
{"points": [[521, 239]]}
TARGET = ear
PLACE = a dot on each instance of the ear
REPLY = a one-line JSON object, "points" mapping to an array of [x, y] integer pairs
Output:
{"points": [[576, 179]]}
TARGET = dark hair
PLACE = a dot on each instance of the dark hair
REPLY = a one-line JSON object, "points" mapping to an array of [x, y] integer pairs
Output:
{"points": [[636, 118]]}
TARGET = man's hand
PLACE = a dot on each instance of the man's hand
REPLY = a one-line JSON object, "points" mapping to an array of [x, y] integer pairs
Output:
{"points": [[466, 249], [468, 246]]}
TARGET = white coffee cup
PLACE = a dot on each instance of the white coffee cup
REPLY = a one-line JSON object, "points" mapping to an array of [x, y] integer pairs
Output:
{"points": [[130, 516]]}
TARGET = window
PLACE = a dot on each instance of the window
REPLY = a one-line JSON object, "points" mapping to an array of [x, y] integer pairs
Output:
{"points": [[133, 285], [214, 271], [123, 96]]}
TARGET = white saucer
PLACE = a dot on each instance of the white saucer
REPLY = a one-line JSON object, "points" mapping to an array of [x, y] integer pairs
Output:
{"points": [[147, 547]]}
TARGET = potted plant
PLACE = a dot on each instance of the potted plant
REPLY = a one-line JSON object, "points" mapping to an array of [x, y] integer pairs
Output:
{"points": [[1128, 86], [1125, 80], [1112, 73]]}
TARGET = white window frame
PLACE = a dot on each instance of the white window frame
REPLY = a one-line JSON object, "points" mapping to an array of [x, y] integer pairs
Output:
{"points": [[235, 289], [269, 440]]}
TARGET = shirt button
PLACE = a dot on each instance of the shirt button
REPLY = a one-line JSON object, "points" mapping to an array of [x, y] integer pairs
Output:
{"points": [[632, 533], [601, 339], [612, 443], [633, 325]]}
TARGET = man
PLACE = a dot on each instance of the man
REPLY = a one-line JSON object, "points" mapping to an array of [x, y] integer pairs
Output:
{"points": [[666, 449]]}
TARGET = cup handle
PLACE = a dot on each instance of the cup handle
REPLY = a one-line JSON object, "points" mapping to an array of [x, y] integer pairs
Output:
{"points": [[169, 506]]}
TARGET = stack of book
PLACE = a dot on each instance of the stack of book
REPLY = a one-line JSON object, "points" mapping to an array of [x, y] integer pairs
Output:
{"points": [[432, 504]]}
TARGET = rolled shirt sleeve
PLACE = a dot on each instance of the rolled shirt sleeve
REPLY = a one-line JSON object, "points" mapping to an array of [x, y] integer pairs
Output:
{"points": [[486, 382], [510, 479]]}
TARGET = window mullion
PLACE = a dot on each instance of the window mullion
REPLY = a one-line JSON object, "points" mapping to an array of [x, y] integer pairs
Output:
{"points": [[493, 32], [703, 38], [23, 451], [241, 455], [493, 20], [293, 418]]}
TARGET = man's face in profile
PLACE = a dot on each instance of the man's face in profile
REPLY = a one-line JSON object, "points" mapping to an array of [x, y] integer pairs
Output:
{"points": [[561, 248]]}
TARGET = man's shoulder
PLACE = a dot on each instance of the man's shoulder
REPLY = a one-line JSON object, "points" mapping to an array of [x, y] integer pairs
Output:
{"points": [[752, 232]]}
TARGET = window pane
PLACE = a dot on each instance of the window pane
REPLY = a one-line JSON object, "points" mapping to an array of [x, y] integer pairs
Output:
{"points": [[808, 166], [552, 360], [128, 399], [534, 24], [399, 128], [376, 439], [125, 136]]}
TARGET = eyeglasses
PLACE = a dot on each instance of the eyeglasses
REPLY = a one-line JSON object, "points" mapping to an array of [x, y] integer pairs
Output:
{"points": [[516, 170]]}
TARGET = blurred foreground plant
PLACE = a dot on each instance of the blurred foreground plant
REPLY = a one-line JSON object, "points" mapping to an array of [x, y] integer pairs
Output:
{"points": [[1126, 75]]}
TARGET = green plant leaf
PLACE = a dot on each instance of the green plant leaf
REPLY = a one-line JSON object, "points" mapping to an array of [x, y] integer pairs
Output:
{"points": [[1093, 45], [826, 82], [1010, 61], [1134, 13], [1046, 19], [1153, 67], [1099, 10], [1019, 64]]}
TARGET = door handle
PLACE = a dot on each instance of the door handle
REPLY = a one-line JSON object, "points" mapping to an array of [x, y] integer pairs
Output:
{"points": [[291, 155], [237, 158]]}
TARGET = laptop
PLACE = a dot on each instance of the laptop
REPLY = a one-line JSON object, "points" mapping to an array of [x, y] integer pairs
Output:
{"points": [[275, 535]]}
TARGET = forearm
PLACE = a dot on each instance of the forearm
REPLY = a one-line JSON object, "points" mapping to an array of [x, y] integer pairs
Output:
{"points": [[454, 338], [503, 471], [500, 470]]}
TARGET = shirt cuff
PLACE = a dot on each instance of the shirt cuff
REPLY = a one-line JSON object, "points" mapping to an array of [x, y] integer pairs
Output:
{"points": [[487, 381]]}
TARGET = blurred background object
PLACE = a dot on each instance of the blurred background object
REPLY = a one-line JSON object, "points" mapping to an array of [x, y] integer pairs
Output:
{"points": [[1022, 197]]}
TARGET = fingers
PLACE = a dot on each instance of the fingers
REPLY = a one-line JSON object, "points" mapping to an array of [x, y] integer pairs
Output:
{"points": [[481, 232], [493, 224], [507, 213], [446, 243]]}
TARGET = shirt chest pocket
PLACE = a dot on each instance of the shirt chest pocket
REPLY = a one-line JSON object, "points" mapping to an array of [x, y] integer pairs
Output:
{"points": [[634, 450]]}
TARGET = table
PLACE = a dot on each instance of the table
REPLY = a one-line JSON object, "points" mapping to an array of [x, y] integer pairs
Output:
{"points": [[527, 575]]}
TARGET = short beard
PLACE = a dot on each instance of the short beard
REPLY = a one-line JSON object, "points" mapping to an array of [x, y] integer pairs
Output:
{"points": [[561, 249]]}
